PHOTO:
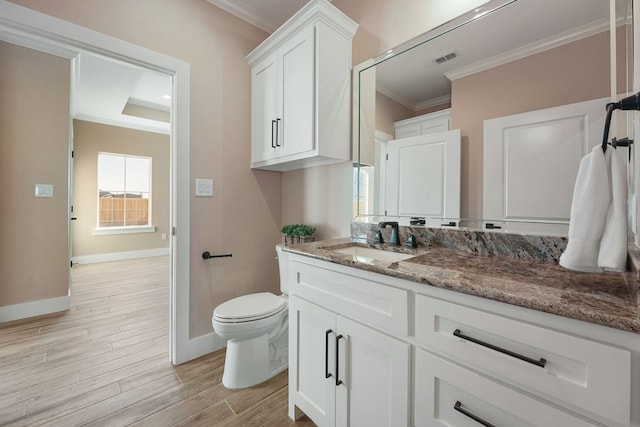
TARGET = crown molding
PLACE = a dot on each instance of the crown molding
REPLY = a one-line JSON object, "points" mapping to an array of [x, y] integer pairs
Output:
{"points": [[530, 49]]}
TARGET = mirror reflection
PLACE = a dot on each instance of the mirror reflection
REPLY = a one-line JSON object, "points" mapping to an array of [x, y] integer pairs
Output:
{"points": [[483, 121]]}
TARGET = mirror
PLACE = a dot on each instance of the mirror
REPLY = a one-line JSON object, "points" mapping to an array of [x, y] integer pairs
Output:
{"points": [[506, 58]]}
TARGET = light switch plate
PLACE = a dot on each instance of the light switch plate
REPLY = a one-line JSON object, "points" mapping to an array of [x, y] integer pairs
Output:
{"points": [[44, 190], [204, 187]]}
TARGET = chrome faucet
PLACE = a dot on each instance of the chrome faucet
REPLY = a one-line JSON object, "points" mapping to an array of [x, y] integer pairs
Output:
{"points": [[394, 239]]}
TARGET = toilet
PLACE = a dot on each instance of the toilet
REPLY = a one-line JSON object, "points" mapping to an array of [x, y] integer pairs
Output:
{"points": [[256, 329]]}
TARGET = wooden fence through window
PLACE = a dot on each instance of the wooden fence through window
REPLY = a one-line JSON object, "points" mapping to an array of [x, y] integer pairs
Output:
{"points": [[118, 212]]}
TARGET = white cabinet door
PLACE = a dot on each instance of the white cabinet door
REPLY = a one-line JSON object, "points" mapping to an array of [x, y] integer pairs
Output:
{"points": [[264, 108], [312, 355], [375, 378], [296, 130], [423, 176], [343, 373]]}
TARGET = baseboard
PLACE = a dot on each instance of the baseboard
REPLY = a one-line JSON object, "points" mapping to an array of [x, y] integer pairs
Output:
{"points": [[119, 256], [34, 308], [200, 346]]}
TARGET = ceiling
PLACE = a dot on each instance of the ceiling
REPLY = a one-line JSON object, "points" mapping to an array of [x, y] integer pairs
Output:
{"points": [[265, 14], [416, 80], [120, 94]]}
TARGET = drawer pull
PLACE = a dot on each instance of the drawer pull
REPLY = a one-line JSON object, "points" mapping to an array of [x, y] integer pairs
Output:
{"points": [[541, 363], [458, 407], [273, 139], [326, 353], [338, 380]]}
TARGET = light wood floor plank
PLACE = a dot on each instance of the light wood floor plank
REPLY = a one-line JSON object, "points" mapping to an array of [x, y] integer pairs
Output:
{"points": [[106, 362]]}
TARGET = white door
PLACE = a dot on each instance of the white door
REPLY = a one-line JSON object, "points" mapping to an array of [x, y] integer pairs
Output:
{"points": [[296, 128], [375, 378], [531, 162], [264, 111], [312, 356], [422, 176]]}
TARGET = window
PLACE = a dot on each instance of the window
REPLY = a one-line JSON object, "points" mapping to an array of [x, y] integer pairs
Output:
{"points": [[124, 190]]}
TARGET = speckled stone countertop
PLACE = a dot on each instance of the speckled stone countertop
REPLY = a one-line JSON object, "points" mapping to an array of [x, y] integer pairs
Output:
{"points": [[536, 282]]}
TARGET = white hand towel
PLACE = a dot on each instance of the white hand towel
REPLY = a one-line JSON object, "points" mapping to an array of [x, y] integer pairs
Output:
{"points": [[589, 208], [613, 247]]}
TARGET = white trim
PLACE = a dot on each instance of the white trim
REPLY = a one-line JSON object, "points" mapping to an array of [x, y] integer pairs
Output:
{"points": [[153, 126], [204, 344], [435, 115], [245, 12], [530, 49], [107, 231], [315, 10], [25, 310], [33, 28], [119, 256]]}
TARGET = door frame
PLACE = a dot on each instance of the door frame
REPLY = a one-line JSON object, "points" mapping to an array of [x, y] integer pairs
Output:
{"points": [[28, 28]]}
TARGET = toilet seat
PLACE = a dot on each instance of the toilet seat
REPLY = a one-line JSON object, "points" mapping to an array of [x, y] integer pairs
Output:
{"points": [[249, 308]]}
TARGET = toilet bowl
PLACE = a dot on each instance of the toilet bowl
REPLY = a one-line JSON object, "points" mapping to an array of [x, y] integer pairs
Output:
{"points": [[256, 329]]}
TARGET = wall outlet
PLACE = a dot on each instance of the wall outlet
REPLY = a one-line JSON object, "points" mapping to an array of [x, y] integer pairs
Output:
{"points": [[163, 236]]}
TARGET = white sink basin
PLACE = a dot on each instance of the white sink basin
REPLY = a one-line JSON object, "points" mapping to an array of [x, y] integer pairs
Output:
{"points": [[370, 255]]}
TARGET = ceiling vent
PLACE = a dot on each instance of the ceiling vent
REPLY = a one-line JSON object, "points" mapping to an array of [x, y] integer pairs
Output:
{"points": [[447, 57]]}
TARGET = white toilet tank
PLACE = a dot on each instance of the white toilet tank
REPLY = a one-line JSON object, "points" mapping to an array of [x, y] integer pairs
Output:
{"points": [[283, 262]]}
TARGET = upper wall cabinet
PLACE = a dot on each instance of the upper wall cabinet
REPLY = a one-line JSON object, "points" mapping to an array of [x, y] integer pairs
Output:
{"points": [[421, 125], [300, 91]]}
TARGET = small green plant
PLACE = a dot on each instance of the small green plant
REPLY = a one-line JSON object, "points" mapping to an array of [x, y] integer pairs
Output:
{"points": [[297, 230], [287, 230], [298, 233]]}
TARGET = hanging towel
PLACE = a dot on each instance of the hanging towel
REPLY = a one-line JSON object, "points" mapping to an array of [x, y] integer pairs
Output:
{"points": [[613, 247], [598, 222]]}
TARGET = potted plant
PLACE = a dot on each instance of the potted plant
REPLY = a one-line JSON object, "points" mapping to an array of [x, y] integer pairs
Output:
{"points": [[298, 233]]}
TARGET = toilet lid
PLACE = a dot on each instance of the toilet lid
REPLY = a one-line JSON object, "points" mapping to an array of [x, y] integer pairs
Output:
{"points": [[258, 305]]}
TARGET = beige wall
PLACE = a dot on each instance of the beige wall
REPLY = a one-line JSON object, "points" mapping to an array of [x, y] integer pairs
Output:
{"points": [[91, 138], [34, 149], [244, 216], [389, 111]]}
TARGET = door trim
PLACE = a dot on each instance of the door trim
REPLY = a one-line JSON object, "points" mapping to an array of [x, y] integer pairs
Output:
{"points": [[29, 28]]}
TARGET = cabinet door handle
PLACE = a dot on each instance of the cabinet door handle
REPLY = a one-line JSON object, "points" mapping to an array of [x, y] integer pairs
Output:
{"points": [[458, 407], [541, 363], [277, 132], [338, 380], [326, 353], [273, 122]]}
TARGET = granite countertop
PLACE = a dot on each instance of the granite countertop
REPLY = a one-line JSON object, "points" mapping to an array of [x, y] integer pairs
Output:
{"points": [[608, 299]]}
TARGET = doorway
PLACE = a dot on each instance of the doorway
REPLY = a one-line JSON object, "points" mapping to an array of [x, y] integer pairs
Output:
{"points": [[28, 28]]}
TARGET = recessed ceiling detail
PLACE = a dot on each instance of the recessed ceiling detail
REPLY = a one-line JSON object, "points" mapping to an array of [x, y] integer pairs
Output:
{"points": [[108, 91]]}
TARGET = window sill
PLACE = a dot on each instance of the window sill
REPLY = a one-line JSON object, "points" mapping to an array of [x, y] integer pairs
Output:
{"points": [[124, 230]]}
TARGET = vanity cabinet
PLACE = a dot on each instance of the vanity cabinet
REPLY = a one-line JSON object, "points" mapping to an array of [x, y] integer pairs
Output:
{"points": [[447, 394], [343, 371], [348, 374], [371, 349], [300, 81], [581, 374]]}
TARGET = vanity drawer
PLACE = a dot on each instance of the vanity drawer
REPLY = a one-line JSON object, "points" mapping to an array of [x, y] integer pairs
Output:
{"points": [[372, 303], [587, 375], [441, 386]]}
